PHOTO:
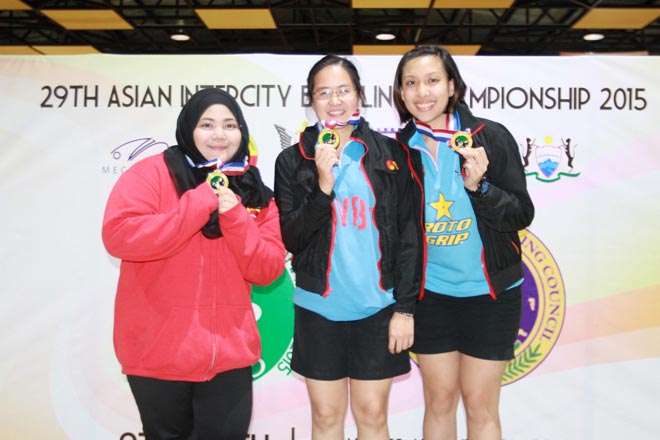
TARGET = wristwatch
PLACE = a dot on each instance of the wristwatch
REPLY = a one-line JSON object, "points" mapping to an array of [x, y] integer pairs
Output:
{"points": [[482, 189]]}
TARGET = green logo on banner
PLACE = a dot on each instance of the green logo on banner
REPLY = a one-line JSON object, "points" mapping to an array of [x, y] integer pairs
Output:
{"points": [[274, 310]]}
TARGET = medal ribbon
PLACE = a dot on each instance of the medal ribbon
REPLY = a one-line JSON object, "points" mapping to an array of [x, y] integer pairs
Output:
{"points": [[443, 135], [354, 120], [229, 168], [440, 135]]}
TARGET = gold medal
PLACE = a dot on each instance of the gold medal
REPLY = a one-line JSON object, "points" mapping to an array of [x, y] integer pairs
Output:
{"points": [[217, 180], [329, 136], [460, 140]]}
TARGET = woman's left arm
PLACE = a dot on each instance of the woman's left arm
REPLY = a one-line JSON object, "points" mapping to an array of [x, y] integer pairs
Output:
{"points": [[256, 242], [505, 205]]}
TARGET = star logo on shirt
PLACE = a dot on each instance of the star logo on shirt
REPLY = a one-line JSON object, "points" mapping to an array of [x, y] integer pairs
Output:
{"points": [[441, 207]]}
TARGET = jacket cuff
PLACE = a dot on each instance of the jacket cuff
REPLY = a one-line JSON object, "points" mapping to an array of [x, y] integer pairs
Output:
{"points": [[406, 309]]}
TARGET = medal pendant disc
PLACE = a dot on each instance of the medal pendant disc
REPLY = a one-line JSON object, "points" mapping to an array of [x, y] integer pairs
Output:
{"points": [[460, 140], [217, 180], [329, 136]]}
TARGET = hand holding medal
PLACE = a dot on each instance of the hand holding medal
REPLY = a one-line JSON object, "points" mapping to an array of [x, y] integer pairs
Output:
{"points": [[475, 161], [327, 149], [329, 135], [327, 155], [475, 164], [219, 183], [227, 199], [326, 158]]}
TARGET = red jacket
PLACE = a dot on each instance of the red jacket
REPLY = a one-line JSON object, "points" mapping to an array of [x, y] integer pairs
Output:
{"points": [[183, 308]]}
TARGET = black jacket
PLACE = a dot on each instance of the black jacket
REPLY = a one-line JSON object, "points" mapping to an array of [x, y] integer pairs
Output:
{"points": [[306, 214], [504, 210]]}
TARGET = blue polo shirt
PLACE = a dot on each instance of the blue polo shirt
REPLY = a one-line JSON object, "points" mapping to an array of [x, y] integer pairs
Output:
{"points": [[355, 291], [454, 259]]}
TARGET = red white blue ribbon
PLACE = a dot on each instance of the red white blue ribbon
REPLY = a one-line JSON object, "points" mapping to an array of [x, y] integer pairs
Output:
{"points": [[445, 135], [229, 168], [441, 135], [353, 120]]}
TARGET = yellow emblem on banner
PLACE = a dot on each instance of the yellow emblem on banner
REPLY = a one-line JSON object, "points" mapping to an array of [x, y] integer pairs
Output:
{"points": [[543, 308]]}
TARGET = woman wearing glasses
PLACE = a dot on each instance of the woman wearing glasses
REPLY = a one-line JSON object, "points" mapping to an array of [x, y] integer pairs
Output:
{"points": [[348, 219]]}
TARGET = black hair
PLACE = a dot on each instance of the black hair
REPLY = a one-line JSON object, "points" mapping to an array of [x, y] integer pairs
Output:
{"points": [[330, 60], [450, 68]]}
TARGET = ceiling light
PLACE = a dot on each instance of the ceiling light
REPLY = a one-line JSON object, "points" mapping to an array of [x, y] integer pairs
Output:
{"points": [[180, 35], [593, 37], [385, 37]]}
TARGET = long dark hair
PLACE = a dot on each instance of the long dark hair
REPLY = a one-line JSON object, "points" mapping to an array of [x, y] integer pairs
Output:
{"points": [[452, 74]]}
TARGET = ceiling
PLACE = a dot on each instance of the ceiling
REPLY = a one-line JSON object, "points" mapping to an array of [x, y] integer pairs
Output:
{"points": [[513, 27]]}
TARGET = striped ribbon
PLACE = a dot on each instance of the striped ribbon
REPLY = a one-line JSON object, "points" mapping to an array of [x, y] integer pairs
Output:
{"points": [[229, 168], [354, 120]]}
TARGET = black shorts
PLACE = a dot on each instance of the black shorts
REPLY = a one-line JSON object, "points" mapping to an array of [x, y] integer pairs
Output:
{"points": [[477, 326], [332, 350]]}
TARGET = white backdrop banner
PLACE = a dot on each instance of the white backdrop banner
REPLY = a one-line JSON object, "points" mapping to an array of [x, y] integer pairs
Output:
{"points": [[588, 351]]}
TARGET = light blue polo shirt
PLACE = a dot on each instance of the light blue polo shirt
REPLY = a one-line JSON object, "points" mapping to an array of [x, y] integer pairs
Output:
{"points": [[454, 246], [355, 291]]}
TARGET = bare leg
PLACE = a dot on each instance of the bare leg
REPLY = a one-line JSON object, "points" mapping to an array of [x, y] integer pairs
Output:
{"points": [[329, 402], [441, 393], [481, 382], [369, 403]]}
